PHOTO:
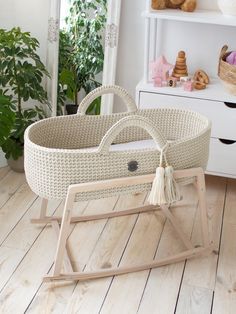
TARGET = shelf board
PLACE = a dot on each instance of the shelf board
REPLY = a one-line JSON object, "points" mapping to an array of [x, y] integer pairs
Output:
{"points": [[198, 16], [215, 91]]}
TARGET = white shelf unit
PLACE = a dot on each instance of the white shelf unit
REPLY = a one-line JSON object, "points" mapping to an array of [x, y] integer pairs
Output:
{"points": [[213, 102], [156, 31], [198, 16]]}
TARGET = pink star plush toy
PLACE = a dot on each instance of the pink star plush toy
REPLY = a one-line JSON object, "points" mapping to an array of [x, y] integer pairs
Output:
{"points": [[161, 68], [231, 59]]}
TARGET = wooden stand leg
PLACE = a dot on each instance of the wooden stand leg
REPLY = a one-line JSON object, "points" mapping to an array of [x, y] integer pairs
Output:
{"points": [[64, 232], [177, 227], [201, 188], [66, 261], [43, 210]]}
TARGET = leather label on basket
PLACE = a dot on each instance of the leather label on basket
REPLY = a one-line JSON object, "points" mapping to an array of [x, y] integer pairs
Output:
{"points": [[132, 165]]}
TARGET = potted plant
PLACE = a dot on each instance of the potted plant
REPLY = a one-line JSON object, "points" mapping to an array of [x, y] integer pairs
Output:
{"points": [[21, 75], [81, 52], [7, 118]]}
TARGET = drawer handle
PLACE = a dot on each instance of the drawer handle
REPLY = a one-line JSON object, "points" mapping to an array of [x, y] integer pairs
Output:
{"points": [[227, 142], [230, 105]]}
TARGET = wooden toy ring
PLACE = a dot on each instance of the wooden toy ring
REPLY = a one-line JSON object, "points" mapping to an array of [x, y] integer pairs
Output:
{"points": [[181, 54], [201, 76], [199, 85]]}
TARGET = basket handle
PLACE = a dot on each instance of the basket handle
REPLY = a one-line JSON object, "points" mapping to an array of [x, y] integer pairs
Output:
{"points": [[107, 89], [125, 122], [222, 53]]}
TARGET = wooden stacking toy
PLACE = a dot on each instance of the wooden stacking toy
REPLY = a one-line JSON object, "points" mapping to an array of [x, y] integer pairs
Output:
{"points": [[180, 69]]}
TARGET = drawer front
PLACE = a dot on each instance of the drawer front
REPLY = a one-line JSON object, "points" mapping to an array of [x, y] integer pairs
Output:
{"points": [[222, 157], [222, 115]]}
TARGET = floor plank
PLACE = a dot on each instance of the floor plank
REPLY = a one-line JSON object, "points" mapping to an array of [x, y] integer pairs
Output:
{"points": [[201, 272], [10, 258], [25, 281], [20, 241], [88, 296], [194, 300], [128, 289], [3, 172], [162, 287], [53, 298], [24, 234], [27, 253], [29, 239], [225, 289], [9, 184], [12, 212]]}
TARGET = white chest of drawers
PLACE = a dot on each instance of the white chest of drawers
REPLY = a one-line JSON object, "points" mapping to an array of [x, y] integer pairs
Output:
{"points": [[222, 159]]}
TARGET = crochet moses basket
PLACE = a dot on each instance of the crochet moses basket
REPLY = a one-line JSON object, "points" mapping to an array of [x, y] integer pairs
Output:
{"points": [[82, 157], [61, 151]]}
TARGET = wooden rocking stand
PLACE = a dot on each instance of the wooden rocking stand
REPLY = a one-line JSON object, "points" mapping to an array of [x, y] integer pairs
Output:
{"points": [[62, 257]]}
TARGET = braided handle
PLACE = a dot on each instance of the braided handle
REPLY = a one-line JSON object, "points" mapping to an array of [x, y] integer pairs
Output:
{"points": [[107, 89], [125, 122]]}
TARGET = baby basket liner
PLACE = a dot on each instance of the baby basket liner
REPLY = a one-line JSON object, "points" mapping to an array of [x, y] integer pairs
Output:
{"points": [[56, 154], [142, 144]]}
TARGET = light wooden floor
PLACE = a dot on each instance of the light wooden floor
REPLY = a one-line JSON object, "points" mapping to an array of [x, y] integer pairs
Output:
{"points": [[206, 285]]}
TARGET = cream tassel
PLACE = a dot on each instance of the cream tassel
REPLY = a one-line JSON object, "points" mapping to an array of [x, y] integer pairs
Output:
{"points": [[157, 194], [172, 192], [165, 189]]}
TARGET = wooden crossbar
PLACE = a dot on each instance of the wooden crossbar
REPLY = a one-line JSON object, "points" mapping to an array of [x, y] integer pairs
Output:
{"points": [[142, 209]]}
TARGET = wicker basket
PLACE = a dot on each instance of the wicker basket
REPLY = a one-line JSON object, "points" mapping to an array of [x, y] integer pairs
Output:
{"points": [[57, 154], [227, 72]]}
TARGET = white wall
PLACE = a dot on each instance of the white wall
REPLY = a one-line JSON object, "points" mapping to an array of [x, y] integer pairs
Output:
{"points": [[131, 47], [30, 15], [202, 43]]}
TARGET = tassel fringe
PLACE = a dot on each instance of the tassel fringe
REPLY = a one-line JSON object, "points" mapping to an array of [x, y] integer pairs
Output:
{"points": [[157, 194], [165, 189], [172, 192]]}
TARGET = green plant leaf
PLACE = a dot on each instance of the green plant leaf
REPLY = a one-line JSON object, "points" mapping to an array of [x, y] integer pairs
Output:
{"points": [[81, 51], [21, 77], [7, 118]]}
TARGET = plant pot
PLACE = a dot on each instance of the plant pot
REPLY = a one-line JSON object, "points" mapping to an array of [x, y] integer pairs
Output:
{"points": [[228, 7], [16, 165], [71, 109]]}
